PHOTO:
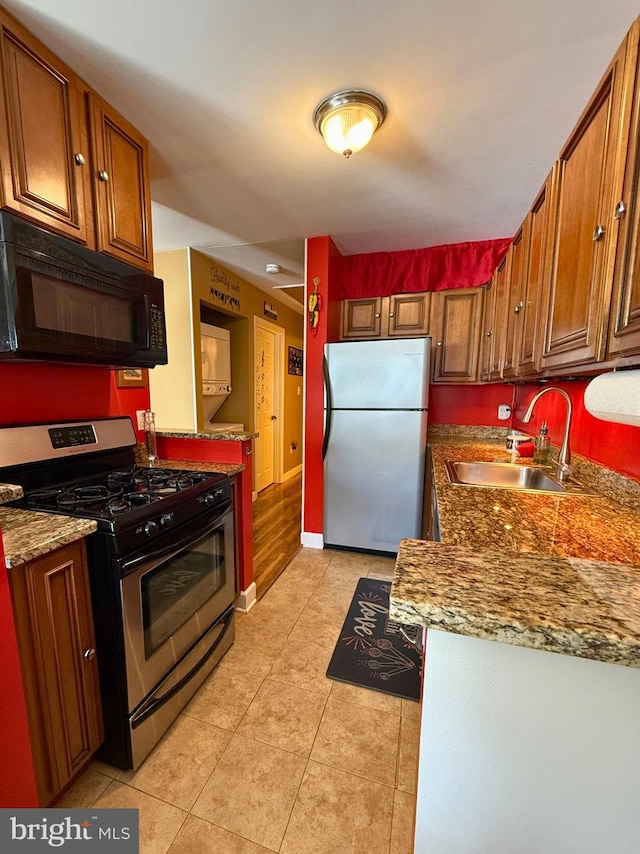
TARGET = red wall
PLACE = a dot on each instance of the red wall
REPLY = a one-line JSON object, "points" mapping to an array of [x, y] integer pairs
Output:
{"points": [[469, 404]]}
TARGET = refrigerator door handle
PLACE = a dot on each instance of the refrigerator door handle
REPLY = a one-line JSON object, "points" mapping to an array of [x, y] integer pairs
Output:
{"points": [[328, 406]]}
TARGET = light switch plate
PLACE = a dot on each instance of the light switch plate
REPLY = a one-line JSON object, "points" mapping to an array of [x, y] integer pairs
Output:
{"points": [[140, 418]]}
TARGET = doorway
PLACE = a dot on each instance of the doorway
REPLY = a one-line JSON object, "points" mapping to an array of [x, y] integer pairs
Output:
{"points": [[268, 403]]}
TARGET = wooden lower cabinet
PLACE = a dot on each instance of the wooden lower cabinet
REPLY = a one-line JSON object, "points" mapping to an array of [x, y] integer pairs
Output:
{"points": [[54, 624]]}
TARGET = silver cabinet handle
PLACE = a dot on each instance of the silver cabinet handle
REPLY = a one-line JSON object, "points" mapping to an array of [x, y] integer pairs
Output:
{"points": [[598, 234], [518, 308], [103, 175], [89, 654], [621, 209], [80, 159]]}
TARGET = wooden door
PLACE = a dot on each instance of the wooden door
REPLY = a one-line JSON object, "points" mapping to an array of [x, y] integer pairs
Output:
{"points": [[120, 164], [266, 414], [57, 648], [362, 318], [624, 330], [488, 325], [589, 178], [499, 331], [542, 221], [409, 314], [515, 302], [456, 327], [43, 140]]}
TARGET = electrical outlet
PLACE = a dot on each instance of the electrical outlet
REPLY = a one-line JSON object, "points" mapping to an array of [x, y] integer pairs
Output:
{"points": [[504, 412], [140, 418]]}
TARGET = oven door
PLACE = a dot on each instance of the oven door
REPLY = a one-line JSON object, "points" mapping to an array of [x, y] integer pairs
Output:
{"points": [[172, 595]]}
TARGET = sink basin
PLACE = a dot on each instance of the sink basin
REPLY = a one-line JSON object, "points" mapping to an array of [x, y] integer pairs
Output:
{"points": [[510, 476]]}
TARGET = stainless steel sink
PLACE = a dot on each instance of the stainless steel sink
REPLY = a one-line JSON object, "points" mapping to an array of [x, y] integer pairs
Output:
{"points": [[511, 476]]}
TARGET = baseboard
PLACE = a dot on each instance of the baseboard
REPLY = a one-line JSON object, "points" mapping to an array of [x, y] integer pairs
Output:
{"points": [[247, 598], [312, 541], [254, 496], [291, 473]]}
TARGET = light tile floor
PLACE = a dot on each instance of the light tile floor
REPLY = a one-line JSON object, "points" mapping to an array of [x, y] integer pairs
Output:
{"points": [[270, 755]]}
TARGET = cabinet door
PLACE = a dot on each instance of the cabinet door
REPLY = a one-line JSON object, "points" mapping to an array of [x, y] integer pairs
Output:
{"points": [[624, 331], [488, 324], [409, 314], [362, 318], [120, 164], [55, 632], [542, 220], [43, 141], [456, 328], [515, 301], [501, 297], [581, 278]]}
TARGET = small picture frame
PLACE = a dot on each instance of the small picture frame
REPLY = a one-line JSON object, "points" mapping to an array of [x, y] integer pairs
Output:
{"points": [[132, 378], [295, 361]]}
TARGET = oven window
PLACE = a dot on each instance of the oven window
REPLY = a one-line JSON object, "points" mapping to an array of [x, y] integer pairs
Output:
{"points": [[75, 310], [176, 589]]}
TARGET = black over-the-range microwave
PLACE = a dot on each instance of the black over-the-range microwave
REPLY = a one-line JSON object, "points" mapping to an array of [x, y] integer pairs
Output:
{"points": [[63, 302]]}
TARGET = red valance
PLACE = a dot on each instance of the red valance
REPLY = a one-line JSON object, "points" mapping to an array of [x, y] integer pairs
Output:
{"points": [[438, 268]]}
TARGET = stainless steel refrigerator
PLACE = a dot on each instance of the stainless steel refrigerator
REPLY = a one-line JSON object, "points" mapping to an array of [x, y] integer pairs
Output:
{"points": [[376, 401]]}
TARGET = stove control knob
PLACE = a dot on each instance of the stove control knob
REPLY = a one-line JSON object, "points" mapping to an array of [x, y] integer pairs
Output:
{"points": [[210, 499], [166, 520], [150, 529]]}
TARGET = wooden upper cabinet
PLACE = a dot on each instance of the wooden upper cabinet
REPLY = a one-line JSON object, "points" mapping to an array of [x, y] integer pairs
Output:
{"points": [[488, 327], [362, 318], [120, 163], [515, 298], [589, 183], [456, 327], [499, 330], [624, 330], [531, 317], [54, 625], [43, 141], [399, 316], [409, 314]]}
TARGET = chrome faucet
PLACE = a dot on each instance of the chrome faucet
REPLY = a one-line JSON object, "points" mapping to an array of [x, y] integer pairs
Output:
{"points": [[564, 457]]}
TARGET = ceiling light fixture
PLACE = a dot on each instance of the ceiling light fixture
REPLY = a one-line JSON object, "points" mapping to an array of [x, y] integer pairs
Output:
{"points": [[348, 119]]}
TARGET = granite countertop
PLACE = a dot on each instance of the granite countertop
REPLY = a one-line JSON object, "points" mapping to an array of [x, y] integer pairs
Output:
{"points": [[194, 465], [231, 436], [554, 573], [28, 534], [9, 492]]}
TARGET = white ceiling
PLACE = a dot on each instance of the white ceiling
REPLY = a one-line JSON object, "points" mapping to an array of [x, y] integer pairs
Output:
{"points": [[480, 98]]}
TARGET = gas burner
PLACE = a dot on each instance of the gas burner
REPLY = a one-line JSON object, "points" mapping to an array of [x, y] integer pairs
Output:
{"points": [[79, 497], [139, 499]]}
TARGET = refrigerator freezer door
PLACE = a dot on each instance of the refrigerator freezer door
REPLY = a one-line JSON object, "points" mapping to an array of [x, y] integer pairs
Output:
{"points": [[391, 374], [374, 478]]}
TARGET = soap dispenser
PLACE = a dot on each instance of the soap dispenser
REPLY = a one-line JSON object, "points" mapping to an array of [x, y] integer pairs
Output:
{"points": [[542, 446]]}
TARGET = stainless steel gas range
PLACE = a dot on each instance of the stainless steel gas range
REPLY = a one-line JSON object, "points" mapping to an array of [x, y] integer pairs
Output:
{"points": [[161, 567]]}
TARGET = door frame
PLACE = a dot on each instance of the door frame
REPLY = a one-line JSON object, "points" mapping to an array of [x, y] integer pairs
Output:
{"points": [[278, 392]]}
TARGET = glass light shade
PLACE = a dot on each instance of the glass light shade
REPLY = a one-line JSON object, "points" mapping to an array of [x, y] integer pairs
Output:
{"points": [[348, 119], [348, 128]]}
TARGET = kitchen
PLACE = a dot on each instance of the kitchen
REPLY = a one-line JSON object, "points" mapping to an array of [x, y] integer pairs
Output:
{"points": [[478, 405]]}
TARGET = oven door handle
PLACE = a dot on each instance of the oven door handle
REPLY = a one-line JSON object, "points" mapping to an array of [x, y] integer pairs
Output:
{"points": [[176, 546], [155, 702]]}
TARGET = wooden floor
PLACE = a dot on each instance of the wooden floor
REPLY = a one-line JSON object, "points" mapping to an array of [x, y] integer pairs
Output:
{"points": [[276, 530]]}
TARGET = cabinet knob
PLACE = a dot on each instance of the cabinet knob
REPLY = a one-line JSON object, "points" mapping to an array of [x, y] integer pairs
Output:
{"points": [[490, 333], [518, 308], [103, 175], [621, 209], [438, 343], [80, 159], [377, 314], [391, 314], [274, 417], [89, 654], [598, 233]]}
